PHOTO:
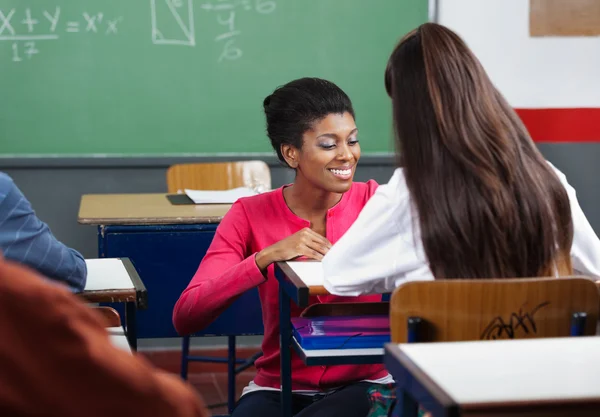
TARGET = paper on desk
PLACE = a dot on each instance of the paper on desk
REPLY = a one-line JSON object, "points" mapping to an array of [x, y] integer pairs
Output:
{"points": [[219, 197], [107, 274], [308, 271]]}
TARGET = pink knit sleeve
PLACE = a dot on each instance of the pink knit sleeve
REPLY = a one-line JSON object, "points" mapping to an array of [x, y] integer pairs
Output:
{"points": [[227, 270]]}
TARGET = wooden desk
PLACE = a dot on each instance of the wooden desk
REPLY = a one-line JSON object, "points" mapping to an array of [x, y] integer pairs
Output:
{"points": [[166, 243], [297, 282], [107, 209], [116, 281], [526, 377]]}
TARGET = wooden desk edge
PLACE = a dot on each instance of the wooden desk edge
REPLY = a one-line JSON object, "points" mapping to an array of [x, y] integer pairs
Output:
{"points": [[558, 406], [110, 221], [318, 290], [109, 296]]}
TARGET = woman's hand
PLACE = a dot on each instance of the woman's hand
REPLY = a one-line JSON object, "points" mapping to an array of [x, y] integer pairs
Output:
{"points": [[306, 242]]}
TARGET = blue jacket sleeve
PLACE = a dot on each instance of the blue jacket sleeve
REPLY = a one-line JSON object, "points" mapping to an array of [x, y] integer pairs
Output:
{"points": [[26, 239]]}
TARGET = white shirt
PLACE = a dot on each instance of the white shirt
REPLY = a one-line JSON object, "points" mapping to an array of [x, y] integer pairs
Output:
{"points": [[383, 248]]}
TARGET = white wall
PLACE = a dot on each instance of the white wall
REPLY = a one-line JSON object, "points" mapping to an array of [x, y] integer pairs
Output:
{"points": [[547, 72]]}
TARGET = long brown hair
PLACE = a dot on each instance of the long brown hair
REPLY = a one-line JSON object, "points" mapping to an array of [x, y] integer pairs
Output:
{"points": [[488, 204]]}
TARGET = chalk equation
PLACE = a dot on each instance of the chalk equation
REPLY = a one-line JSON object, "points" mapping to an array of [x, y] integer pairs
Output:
{"points": [[26, 28], [226, 15], [172, 23]]}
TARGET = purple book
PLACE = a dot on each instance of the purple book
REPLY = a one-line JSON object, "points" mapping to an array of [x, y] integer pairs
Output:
{"points": [[341, 332]]}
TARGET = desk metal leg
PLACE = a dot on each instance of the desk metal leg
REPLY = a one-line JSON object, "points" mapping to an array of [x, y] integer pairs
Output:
{"points": [[285, 329], [231, 361], [130, 313], [406, 406], [185, 353]]}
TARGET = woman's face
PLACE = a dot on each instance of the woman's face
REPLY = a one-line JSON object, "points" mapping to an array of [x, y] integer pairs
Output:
{"points": [[329, 153]]}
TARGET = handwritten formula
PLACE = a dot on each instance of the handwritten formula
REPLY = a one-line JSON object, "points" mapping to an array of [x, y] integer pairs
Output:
{"points": [[25, 28], [227, 13]]}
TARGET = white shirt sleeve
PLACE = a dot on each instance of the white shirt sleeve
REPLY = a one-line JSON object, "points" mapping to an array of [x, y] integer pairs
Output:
{"points": [[383, 248], [585, 250], [379, 251]]}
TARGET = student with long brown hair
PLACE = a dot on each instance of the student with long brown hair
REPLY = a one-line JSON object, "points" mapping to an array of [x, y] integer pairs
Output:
{"points": [[473, 197]]}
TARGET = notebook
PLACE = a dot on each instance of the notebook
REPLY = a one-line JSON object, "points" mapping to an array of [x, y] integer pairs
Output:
{"points": [[341, 332]]}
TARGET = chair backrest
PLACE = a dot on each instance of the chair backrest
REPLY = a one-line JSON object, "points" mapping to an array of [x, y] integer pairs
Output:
{"points": [[223, 176], [219, 176], [110, 316], [464, 310]]}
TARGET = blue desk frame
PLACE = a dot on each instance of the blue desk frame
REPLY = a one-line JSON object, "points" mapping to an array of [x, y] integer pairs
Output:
{"points": [[166, 258]]}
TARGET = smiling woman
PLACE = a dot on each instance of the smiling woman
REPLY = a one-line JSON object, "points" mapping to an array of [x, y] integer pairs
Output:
{"points": [[312, 128]]}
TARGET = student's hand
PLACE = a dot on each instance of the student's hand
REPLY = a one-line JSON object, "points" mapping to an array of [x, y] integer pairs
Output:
{"points": [[306, 242]]}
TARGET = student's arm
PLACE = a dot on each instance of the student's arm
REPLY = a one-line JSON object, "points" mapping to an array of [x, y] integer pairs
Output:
{"points": [[59, 361], [26, 239], [585, 250], [379, 250], [227, 271]]}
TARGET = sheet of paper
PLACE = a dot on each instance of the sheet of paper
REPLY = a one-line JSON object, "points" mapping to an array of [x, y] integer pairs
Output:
{"points": [[219, 197], [309, 271], [107, 274]]}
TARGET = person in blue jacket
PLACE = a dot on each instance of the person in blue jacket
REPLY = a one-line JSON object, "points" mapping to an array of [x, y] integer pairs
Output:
{"points": [[24, 238]]}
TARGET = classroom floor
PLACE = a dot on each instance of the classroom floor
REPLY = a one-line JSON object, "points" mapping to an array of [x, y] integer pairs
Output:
{"points": [[209, 379], [213, 387]]}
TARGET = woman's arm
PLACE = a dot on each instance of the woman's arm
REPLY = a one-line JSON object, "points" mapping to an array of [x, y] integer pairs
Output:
{"points": [[26, 239], [379, 250], [227, 271], [585, 250]]}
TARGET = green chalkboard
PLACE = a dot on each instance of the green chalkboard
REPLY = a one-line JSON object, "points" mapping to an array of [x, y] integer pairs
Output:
{"points": [[154, 77]]}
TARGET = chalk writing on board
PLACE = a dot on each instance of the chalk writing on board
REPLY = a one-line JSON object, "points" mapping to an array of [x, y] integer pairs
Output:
{"points": [[226, 16], [26, 27], [226, 11], [499, 329], [180, 11]]}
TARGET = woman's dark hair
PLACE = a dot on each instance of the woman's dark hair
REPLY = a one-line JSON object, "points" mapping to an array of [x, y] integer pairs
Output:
{"points": [[292, 109], [488, 204]]}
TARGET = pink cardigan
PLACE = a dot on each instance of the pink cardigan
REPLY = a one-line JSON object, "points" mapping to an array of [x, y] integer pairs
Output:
{"points": [[229, 269]]}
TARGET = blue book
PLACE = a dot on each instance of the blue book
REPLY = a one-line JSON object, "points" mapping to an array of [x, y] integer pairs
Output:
{"points": [[341, 332]]}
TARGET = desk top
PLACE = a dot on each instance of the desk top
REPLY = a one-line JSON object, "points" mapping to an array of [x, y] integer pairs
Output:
{"points": [[144, 209], [113, 280], [304, 275], [507, 371]]}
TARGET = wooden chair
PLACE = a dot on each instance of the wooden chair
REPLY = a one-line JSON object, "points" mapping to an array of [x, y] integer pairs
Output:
{"points": [[219, 176], [112, 322], [488, 309], [110, 316]]}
